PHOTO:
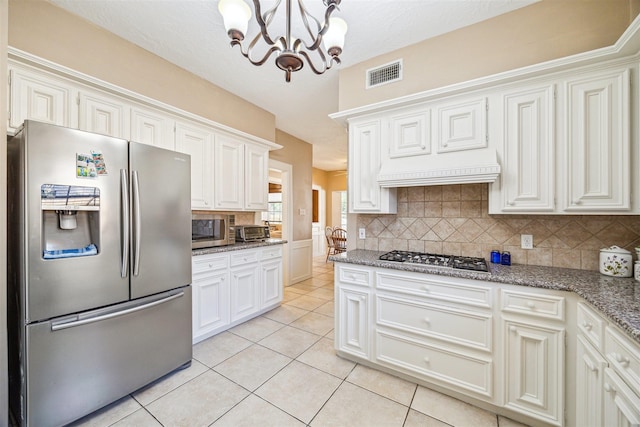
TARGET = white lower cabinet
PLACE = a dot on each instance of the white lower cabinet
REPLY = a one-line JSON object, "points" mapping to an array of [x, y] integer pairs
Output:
{"points": [[353, 331], [621, 404], [232, 287], [590, 367], [210, 295], [534, 357]]}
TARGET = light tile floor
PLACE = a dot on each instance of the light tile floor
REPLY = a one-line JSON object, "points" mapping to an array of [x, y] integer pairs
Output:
{"points": [[280, 369]]}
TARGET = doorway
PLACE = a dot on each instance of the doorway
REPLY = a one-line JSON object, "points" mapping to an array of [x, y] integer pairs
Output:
{"points": [[280, 212]]}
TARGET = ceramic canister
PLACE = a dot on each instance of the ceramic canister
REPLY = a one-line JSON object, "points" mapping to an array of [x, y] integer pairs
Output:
{"points": [[615, 261]]}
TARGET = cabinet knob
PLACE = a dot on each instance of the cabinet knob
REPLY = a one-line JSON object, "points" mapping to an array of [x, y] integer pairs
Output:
{"points": [[531, 305], [608, 388], [206, 203], [512, 328], [427, 320], [510, 203], [576, 202], [424, 147], [588, 326], [426, 360], [425, 288], [210, 265], [361, 298], [624, 361], [590, 365]]}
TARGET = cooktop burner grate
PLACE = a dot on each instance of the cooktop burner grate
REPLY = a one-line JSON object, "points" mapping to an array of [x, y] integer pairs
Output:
{"points": [[437, 260]]}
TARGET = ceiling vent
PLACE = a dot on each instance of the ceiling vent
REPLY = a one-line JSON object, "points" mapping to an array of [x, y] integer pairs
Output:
{"points": [[387, 73]]}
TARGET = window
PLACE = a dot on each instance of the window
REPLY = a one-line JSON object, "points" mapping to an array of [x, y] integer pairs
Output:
{"points": [[274, 213]]}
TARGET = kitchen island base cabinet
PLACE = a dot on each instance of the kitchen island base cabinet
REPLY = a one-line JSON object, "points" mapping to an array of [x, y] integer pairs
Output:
{"points": [[489, 343], [233, 287]]}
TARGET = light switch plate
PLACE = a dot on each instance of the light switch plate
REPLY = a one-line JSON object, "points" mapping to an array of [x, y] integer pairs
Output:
{"points": [[526, 241]]}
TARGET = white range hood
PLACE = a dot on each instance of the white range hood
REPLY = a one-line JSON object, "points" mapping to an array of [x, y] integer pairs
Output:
{"points": [[439, 169]]}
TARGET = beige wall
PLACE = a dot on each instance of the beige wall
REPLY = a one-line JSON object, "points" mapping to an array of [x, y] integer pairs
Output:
{"points": [[453, 219], [299, 154], [49, 32], [540, 32], [330, 181]]}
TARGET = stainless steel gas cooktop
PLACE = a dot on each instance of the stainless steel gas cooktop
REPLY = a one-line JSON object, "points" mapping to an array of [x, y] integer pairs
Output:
{"points": [[437, 260]]}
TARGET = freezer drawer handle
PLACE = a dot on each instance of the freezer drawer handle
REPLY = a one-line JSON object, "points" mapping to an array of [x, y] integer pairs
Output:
{"points": [[124, 265], [67, 325]]}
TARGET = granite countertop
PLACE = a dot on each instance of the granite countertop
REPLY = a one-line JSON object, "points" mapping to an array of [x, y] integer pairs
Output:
{"points": [[237, 247], [616, 298]]}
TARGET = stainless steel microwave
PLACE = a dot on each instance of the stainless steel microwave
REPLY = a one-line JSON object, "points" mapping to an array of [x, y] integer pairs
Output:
{"points": [[209, 230]]}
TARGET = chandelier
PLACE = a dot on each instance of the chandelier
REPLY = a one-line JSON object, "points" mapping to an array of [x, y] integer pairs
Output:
{"points": [[290, 51]]}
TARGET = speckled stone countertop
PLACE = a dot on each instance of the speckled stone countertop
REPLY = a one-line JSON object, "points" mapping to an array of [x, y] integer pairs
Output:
{"points": [[616, 298], [237, 247]]}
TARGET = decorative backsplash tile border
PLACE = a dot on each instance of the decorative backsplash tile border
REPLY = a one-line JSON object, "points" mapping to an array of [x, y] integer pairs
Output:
{"points": [[454, 219]]}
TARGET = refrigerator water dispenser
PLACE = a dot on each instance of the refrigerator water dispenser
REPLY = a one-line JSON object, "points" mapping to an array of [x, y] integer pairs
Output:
{"points": [[70, 221]]}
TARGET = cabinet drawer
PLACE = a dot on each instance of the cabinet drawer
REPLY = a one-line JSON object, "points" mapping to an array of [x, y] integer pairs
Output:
{"points": [[624, 357], [456, 290], [544, 306], [271, 252], [207, 263], [591, 325], [354, 276], [445, 323], [430, 362], [243, 257]]}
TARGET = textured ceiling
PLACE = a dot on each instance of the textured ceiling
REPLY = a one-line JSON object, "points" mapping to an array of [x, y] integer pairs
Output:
{"points": [[190, 33]]}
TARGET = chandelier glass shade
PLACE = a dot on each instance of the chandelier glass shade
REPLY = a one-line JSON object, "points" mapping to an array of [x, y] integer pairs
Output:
{"points": [[324, 40]]}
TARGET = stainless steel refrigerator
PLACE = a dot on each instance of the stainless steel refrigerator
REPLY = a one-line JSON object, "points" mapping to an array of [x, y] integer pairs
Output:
{"points": [[99, 270]]}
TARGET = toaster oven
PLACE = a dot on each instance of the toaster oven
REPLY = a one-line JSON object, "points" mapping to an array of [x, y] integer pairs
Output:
{"points": [[252, 233]]}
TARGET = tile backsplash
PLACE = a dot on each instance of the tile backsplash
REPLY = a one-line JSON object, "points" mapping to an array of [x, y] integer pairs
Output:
{"points": [[454, 219]]}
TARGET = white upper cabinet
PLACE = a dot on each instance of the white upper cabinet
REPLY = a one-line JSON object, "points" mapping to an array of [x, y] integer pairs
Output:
{"points": [[527, 182], [41, 97], [365, 193], [410, 133], [228, 178], [256, 160], [597, 151], [462, 125], [152, 128], [197, 141], [104, 114]]}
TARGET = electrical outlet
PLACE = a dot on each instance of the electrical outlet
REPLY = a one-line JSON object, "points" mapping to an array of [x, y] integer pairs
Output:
{"points": [[362, 233], [526, 241]]}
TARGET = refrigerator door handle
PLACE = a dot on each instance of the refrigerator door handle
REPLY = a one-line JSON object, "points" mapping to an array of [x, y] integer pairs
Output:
{"points": [[67, 325], [124, 214], [136, 224]]}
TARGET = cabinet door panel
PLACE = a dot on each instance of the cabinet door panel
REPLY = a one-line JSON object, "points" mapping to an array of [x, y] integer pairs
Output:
{"points": [[410, 134], [353, 336], [152, 128], [244, 292], [535, 376], [257, 178], [589, 385], [365, 194], [37, 97], [597, 153], [228, 179], [197, 142], [528, 177], [101, 114], [462, 126], [621, 405], [271, 283], [211, 308]]}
